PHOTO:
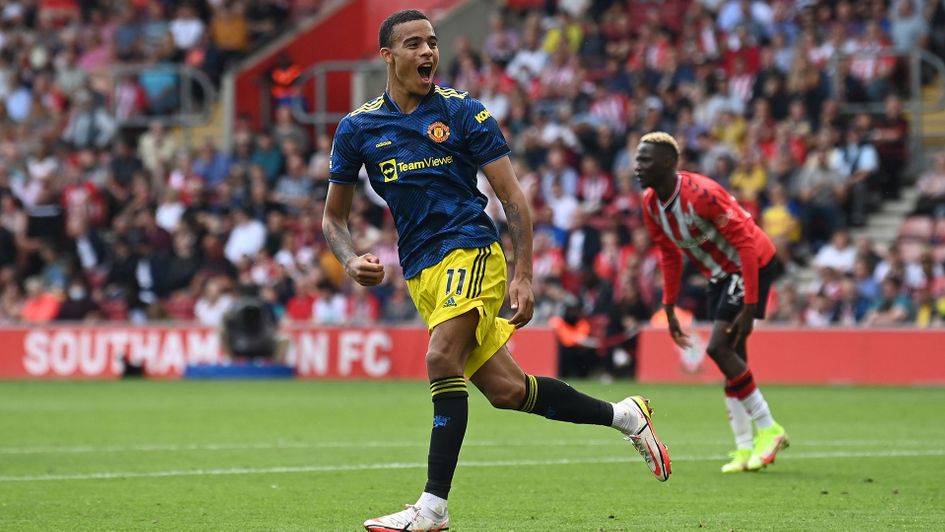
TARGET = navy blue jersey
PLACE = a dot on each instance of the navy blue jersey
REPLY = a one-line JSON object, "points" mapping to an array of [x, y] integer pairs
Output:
{"points": [[424, 165]]}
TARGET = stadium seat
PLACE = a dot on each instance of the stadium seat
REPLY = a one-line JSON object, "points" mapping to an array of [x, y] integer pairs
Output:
{"points": [[918, 228]]}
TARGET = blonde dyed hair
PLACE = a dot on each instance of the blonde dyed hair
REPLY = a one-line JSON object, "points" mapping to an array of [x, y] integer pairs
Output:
{"points": [[661, 137]]}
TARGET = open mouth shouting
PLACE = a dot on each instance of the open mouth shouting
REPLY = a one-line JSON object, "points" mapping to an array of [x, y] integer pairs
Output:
{"points": [[426, 72]]}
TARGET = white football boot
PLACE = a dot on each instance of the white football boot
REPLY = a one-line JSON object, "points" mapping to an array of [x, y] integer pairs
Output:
{"points": [[409, 519], [634, 417]]}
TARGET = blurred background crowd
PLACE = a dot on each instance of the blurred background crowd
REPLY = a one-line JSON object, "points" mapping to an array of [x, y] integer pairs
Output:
{"points": [[103, 222]]}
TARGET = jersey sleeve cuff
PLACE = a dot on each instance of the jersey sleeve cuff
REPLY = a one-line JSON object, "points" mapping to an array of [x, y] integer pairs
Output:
{"points": [[494, 155], [343, 179]]}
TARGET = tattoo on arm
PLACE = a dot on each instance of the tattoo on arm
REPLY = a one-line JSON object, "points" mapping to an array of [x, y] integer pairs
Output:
{"points": [[520, 228], [339, 240]]}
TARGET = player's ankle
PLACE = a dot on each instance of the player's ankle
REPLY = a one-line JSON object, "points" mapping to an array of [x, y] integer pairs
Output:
{"points": [[626, 418], [432, 507]]}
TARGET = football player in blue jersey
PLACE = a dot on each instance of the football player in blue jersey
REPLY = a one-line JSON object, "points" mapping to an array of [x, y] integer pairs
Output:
{"points": [[422, 146]]}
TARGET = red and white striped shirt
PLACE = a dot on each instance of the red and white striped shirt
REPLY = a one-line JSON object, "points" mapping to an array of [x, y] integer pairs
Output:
{"points": [[706, 222]]}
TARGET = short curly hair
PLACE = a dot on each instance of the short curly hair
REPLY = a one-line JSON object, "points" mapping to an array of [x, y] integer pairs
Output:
{"points": [[663, 139]]}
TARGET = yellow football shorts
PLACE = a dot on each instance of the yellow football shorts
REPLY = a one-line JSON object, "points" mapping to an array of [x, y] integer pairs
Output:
{"points": [[464, 280]]}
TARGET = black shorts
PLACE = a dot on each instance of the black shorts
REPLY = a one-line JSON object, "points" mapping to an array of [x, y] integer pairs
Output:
{"points": [[727, 294]]}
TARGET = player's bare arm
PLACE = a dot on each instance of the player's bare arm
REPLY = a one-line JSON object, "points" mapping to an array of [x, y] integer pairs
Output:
{"points": [[366, 269], [518, 215], [680, 337]]}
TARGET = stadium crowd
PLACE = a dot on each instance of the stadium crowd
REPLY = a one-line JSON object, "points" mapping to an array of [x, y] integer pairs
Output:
{"points": [[99, 222]]}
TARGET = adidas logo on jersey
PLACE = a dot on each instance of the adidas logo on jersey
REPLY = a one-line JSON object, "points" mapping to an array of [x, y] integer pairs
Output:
{"points": [[451, 302]]}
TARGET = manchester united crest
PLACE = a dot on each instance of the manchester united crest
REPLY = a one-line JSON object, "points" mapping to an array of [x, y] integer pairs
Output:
{"points": [[438, 132]]}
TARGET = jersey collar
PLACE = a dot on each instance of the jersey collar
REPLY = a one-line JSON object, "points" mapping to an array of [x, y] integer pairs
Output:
{"points": [[392, 105], [675, 195]]}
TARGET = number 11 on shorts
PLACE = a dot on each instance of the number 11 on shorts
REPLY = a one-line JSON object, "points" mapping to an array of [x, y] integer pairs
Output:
{"points": [[459, 282]]}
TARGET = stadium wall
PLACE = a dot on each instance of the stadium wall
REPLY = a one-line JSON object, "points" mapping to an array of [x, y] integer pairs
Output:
{"points": [[806, 356], [100, 352], [790, 356]]}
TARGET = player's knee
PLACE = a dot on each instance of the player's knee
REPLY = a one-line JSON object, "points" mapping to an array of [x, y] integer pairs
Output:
{"points": [[441, 363], [509, 396], [717, 350]]}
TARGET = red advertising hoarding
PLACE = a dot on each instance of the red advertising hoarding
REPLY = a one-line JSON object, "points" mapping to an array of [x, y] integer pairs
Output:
{"points": [[799, 356], [806, 356], [100, 352]]}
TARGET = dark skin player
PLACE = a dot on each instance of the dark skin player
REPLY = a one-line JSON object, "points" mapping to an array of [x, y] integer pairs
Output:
{"points": [[656, 169]]}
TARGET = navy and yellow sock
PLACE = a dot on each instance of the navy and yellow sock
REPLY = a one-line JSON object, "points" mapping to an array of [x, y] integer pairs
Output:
{"points": [[450, 414], [557, 400]]}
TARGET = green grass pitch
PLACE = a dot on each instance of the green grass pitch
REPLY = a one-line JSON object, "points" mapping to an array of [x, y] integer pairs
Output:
{"points": [[324, 456]]}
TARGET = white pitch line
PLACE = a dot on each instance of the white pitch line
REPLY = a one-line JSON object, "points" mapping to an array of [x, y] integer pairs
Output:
{"points": [[280, 445], [104, 475]]}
